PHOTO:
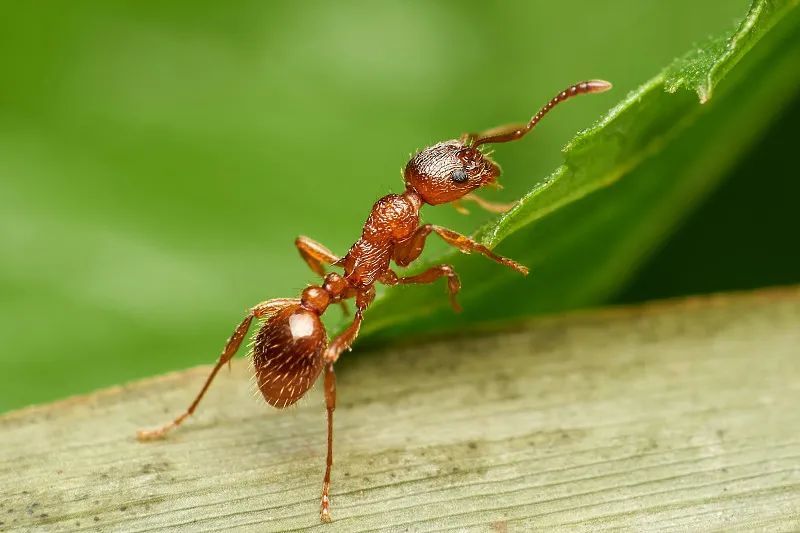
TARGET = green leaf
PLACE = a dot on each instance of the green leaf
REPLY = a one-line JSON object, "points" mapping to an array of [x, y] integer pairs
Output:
{"points": [[625, 182]]}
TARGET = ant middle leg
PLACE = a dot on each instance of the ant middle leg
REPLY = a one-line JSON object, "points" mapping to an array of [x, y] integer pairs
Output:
{"points": [[409, 250], [467, 245], [429, 276], [231, 346]]}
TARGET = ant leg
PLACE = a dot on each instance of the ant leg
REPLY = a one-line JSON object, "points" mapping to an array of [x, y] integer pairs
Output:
{"points": [[348, 336], [314, 254], [330, 405], [467, 245], [408, 251], [505, 131], [492, 207], [458, 206], [343, 341], [316, 257], [429, 276], [231, 346]]}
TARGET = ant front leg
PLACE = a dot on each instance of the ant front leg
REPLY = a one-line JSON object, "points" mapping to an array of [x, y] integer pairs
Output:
{"points": [[231, 346], [429, 276], [407, 251], [492, 207]]}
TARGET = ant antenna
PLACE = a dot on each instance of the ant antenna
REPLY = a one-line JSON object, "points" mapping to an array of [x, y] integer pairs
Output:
{"points": [[512, 133]]}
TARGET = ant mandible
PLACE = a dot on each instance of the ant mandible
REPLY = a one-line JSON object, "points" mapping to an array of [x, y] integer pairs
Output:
{"points": [[291, 348]]}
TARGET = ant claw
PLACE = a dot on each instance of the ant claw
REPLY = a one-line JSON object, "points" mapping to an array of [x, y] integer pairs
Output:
{"points": [[325, 511], [144, 435]]}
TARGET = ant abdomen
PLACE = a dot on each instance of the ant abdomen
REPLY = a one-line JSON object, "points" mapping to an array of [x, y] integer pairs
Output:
{"points": [[287, 354]]}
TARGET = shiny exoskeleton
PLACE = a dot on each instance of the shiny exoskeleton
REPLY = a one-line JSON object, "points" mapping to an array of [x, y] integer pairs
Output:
{"points": [[291, 348]]}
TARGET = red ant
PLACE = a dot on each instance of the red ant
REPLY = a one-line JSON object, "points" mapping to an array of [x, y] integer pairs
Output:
{"points": [[291, 348]]}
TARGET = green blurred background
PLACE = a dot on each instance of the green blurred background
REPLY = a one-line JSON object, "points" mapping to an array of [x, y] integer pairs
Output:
{"points": [[157, 161]]}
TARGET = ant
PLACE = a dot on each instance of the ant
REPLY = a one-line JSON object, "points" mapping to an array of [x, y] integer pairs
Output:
{"points": [[291, 348]]}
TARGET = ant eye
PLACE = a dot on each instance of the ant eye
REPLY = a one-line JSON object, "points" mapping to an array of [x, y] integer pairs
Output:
{"points": [[459, 176]]}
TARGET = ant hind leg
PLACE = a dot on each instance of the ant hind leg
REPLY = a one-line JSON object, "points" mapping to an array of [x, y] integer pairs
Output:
{"points": [[330, 405], [347, 337], [231, 346], [316, 256]]}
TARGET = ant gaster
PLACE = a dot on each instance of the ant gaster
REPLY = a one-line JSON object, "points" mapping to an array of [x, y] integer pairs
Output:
{"points": [[291, 348]]}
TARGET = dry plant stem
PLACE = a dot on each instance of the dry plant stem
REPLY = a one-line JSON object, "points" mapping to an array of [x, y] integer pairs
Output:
{"points": [[678, 415]]}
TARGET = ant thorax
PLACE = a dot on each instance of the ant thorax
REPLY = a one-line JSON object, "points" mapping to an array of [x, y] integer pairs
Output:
{"points": [[392, 219]]}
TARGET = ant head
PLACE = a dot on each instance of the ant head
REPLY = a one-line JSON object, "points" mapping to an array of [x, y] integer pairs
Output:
{"points": [[447, 171]]}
